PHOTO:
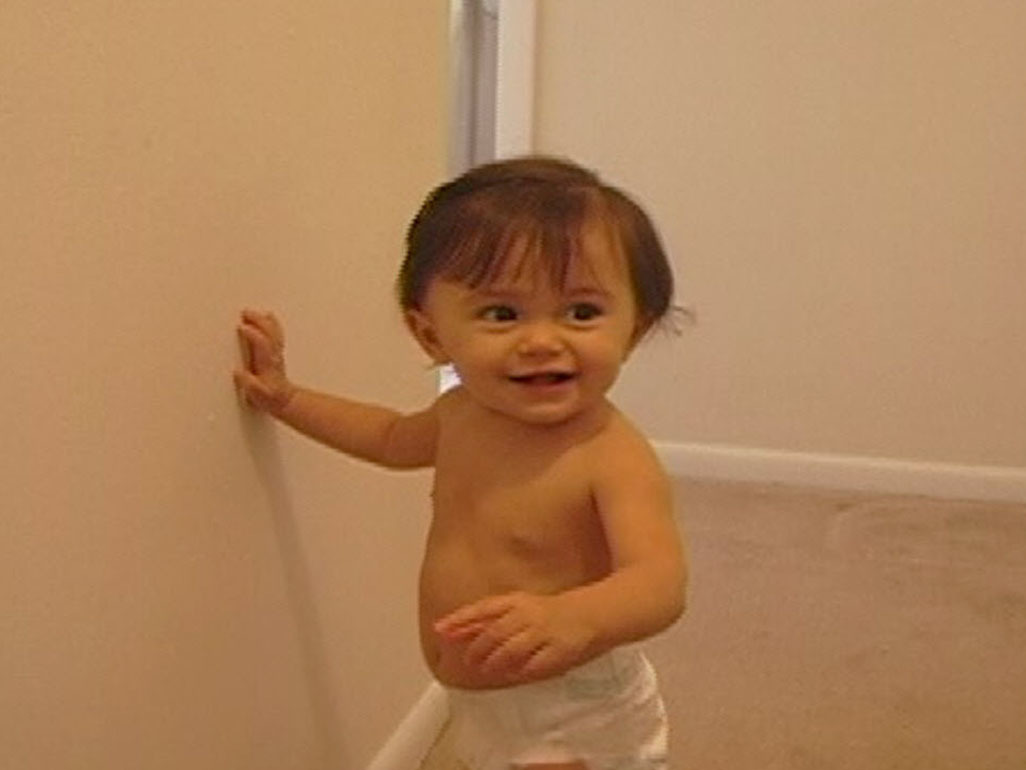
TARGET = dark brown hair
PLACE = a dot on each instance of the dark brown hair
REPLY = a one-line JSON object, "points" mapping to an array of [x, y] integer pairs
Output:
{"points": [[468, 228]]}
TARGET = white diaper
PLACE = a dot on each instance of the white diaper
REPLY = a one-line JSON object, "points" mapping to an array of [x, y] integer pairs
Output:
{"points": [[606, 713]]}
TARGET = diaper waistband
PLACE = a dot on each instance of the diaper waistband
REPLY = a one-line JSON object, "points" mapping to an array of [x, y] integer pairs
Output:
{"points": [[610, 670]]}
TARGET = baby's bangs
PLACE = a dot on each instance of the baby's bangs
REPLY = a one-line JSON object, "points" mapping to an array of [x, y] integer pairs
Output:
{"points": [[504, 239]]}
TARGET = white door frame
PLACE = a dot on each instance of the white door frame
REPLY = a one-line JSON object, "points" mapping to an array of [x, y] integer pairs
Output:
{"points": [[491, 77]]}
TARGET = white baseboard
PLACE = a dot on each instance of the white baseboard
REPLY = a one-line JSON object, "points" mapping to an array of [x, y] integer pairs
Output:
{"points": [[970, 482], [416, 734]]}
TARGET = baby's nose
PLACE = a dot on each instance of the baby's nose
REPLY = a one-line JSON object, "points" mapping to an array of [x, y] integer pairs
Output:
{"points": [[539, 339]]}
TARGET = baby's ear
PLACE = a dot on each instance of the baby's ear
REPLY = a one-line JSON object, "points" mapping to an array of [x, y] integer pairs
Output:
{"points": [[423, 330]]}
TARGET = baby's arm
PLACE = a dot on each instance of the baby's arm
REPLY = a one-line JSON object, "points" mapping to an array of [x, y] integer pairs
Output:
{"points": [[369, 432], [645, 591], [520, 636]]}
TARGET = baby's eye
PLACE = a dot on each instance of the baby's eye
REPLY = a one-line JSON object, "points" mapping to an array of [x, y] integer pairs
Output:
{"points": [[498, 314], [584, 311]]}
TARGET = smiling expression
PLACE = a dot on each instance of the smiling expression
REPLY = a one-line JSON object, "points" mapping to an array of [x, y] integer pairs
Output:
{"points": [[532, 348]]}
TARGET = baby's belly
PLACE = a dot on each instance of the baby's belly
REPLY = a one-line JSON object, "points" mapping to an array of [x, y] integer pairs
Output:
{"points": [[454, 576]]}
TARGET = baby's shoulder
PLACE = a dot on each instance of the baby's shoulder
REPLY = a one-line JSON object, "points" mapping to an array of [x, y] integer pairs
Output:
{"points": [[621, 445], [618, 430], [454, 405], [458, 417]]}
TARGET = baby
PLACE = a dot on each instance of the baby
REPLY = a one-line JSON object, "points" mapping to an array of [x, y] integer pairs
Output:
{"points": [[553, 543]]}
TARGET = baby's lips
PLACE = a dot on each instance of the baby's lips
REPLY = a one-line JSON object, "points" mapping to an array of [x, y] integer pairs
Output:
{"points": [[547, 377]]}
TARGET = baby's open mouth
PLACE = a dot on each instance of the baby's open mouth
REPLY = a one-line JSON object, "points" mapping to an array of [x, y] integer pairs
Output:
{"points": [[542, 378]]}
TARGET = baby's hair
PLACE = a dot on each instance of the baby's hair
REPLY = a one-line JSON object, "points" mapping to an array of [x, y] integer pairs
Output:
{"points": [[468, 229]]}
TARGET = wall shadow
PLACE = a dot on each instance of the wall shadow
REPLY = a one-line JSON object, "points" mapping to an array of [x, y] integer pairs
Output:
{"points": [[262, 441]]}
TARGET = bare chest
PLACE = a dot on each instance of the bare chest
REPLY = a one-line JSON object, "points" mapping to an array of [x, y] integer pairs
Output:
{"points": [[517, 501]]}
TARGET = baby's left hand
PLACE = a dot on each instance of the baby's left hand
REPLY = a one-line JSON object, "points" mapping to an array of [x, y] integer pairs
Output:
{"points": [[519, 637]]}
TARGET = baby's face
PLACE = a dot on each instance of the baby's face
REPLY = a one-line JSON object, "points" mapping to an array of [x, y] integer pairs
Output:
{"points": [[528, 348]]}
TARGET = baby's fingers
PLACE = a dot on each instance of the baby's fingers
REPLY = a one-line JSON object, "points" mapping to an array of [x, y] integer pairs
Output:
{"points": [[267, 322], [260, 351], [544, 662], [511, 656], [461, 632], [471, 618]]}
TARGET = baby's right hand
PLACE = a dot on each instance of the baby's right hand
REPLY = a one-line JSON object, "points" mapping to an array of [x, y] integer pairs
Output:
{"points": [[262, 381]]}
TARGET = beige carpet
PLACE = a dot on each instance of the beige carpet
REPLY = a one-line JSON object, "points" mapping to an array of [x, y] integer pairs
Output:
{"points": [[845, 631]]}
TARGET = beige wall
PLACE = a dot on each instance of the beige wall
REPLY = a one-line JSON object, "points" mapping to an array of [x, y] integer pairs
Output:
{"points": [[183, 585], [843, 187]]}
